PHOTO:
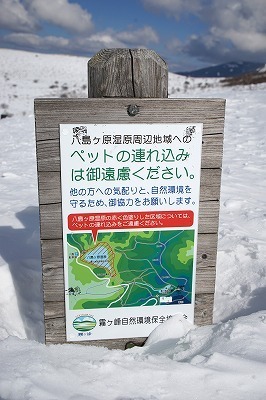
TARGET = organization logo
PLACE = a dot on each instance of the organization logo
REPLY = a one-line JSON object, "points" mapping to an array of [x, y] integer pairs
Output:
{"points": [[80, 135], [84, 323]]}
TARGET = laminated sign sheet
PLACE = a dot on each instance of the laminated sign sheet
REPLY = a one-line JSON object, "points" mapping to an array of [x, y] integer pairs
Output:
{"points": [[130, 201]]}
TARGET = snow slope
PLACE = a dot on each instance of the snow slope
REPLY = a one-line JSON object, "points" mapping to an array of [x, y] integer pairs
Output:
{"points": [[224, 360]]}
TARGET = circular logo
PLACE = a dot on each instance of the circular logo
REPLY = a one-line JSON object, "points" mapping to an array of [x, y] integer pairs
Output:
{"points": [[84, 323]]}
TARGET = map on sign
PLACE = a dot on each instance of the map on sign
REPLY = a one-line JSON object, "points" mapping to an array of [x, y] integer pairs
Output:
{"points": [[129, 269]]}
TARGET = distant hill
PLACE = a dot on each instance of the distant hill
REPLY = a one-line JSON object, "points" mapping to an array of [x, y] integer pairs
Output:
{"points": [[252, 78], [226, 70]]}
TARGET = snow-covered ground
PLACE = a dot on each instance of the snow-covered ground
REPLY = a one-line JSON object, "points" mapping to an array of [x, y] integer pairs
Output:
{"points": [[224, 360]]}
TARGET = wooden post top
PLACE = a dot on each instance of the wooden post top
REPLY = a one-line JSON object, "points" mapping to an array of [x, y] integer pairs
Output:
{"points": [[138, 73]]}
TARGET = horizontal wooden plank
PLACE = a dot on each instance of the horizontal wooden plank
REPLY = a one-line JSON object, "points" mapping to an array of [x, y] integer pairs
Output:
{"points": [[50, 186], [210, 184], [52, 251], [54, 309], [48, 153], [208, 216], [212, 151], [205, 279], [55, 333], [51, 221], [54, 289], [53, 282], [204, 308], [55, 323], [207, 250], [53, 272], [49, 113]]}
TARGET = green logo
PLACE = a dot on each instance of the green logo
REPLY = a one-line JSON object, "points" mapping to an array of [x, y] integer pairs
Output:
{"points": [[84, 323]]}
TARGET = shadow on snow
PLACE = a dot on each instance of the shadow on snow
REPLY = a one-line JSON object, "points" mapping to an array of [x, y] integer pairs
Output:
{"points": [[20, 248]]}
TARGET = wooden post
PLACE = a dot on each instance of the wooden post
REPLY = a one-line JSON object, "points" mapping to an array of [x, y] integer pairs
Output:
{"points": [[127, 73], [114, 76]]}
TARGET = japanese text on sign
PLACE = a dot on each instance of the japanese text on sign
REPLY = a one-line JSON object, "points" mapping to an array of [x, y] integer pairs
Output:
{"points": [[130, 200]]}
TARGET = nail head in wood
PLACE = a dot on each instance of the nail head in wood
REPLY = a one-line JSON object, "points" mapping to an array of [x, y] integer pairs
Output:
{"points": [[132, 110]]}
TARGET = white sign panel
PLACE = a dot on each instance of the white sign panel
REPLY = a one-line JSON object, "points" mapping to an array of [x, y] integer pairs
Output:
{"points": [[130, 200]]}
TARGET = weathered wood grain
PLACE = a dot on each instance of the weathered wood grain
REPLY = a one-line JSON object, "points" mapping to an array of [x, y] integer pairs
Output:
{"points": [[53, 282], [204, 308], [51, 221], [212, 146], [53, 269], [50, 185], [49, 113], [205, 281], [52, 251], [127, 73]]}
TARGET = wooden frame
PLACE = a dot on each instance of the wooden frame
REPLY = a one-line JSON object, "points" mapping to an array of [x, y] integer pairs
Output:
{"points": [[49, 113]]}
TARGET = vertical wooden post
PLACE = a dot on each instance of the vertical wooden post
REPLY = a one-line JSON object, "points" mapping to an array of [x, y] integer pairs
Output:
{"points": [[139, 73], [127, 73]]}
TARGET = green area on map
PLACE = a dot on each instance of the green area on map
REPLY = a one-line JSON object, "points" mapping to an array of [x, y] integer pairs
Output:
{"points": [[129, 269]]}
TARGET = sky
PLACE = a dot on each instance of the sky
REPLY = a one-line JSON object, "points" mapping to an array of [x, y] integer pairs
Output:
{"points": [[187, 34]]}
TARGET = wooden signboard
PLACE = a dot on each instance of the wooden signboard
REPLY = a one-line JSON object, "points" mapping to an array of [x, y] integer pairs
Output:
{"points": [[91, 127]]}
